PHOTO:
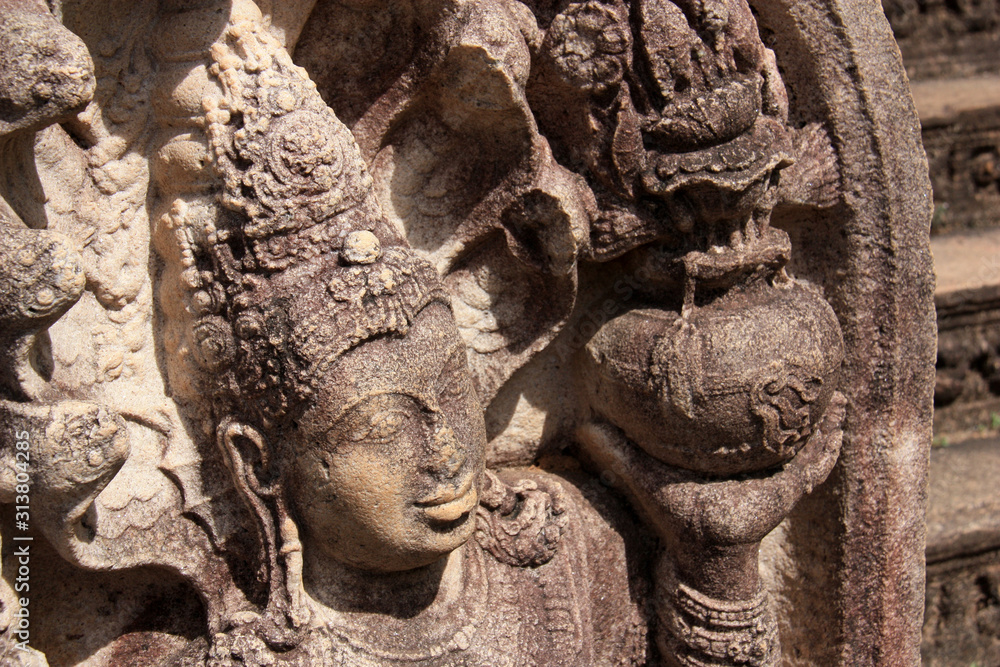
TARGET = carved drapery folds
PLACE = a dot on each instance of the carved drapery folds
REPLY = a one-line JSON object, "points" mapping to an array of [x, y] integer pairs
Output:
{"points": [[447, 332]]}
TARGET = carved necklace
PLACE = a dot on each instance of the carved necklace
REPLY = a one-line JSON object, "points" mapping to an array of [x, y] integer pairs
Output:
{"points": [[346, 633]]}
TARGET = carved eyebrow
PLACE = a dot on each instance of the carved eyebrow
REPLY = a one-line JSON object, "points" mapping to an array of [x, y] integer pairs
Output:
{"points": [[422, 401]]}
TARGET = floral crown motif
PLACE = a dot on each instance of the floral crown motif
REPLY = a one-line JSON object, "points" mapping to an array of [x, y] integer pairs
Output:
{"points": [[267, 349], [374, 291], [298, 191], [289, 166]]}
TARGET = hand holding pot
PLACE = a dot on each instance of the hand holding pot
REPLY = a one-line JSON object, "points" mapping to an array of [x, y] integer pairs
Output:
{"points": [[713, 527]]}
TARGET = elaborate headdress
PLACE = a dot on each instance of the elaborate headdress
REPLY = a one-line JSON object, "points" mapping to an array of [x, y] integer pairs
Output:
{"points": [[303, 265], [299, 267]]}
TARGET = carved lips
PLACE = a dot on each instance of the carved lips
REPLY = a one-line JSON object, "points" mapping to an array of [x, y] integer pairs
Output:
{"points": [[449, 503]]}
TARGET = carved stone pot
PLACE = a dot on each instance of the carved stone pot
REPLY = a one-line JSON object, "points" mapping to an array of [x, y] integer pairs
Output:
{"points": [[734, 386]]}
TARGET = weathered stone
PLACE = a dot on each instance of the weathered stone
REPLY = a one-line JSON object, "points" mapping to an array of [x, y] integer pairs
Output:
{"points": [[464, 333]]}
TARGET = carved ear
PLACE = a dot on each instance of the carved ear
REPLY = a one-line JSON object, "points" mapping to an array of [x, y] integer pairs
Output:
{"points": [[249, 457]]}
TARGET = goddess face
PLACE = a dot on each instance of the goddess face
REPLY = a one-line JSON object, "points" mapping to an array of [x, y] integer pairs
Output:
{"points": [[386, 464]]}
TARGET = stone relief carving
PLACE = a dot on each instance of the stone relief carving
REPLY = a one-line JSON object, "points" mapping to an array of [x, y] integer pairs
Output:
{"points": [[299, 307]]}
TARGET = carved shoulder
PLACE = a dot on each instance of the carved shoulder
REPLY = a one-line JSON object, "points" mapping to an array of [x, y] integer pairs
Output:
{"points": [[578, 541], [521, 519]]}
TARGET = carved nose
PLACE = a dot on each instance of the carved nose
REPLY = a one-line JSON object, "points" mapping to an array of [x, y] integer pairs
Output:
{"points": [[450, 455]]}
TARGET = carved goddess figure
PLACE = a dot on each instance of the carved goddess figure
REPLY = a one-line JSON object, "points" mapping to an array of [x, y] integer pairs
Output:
{"points": [[353, 431], [385, 541], [347, 415]]}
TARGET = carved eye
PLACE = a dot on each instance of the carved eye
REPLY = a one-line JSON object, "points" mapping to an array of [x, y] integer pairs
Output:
{"points": [[378, 420], [380, 428]]}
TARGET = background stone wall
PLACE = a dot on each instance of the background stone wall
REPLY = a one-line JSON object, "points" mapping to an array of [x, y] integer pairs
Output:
{"points": [[950, 51]]}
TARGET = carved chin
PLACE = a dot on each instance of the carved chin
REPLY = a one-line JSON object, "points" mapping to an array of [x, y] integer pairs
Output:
{"points": [[413, 542], [449, 527], [434, 541]]}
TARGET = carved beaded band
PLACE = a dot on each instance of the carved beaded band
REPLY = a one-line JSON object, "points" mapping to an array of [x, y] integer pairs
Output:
{"points": [[701, 631]]}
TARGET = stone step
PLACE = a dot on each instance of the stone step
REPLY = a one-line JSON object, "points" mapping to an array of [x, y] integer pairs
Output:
{"points": [[940, 101], [962, 614], [963, 514], [961, 134]]}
